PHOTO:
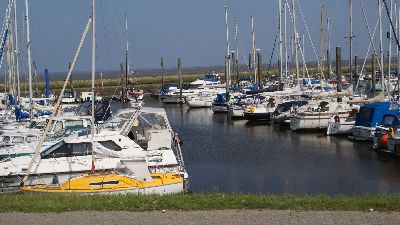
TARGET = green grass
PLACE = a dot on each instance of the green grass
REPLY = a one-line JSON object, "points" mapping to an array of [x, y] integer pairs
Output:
{"points": [[64, 203]]}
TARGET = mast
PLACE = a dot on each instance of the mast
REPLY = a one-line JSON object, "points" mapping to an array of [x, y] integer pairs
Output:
{"points": [[227, 75], [237, 51], [126, 57], [329, 48], [280, 42], [28, 40], [381, 45], [93, 76], [321, 40], [351, 42], [16, 51], [390, 40], [253, 34], [285, 40], [295, 42]]}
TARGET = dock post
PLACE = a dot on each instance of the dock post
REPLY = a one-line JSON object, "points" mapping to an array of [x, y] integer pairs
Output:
{"points": [[180, 80], [46, 72], [339, 71], [163, 73], [259, 72]]}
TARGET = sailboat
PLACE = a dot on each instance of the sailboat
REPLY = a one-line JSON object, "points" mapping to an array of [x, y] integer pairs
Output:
{"points": [[132, 174]]}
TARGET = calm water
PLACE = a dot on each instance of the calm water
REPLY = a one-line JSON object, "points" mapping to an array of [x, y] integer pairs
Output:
{"points": [[222, 155]]}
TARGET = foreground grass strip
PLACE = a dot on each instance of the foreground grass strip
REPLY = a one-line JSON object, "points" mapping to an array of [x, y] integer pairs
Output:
{"points": [[64, 203]]}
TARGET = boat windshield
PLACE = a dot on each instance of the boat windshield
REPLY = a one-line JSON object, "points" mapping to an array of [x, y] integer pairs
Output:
{"points": [[390, 121], [366, 114], [152, 120]]}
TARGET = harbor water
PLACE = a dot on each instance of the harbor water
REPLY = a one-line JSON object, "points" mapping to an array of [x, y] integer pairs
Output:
{"points": [[228, 156]]}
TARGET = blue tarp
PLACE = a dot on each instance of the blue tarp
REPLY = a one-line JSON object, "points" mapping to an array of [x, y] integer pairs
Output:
{"points": [[370, 115], [20, 115]]}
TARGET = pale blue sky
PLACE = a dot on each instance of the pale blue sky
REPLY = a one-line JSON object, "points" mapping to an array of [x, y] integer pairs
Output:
{"points": [[191, 29]]}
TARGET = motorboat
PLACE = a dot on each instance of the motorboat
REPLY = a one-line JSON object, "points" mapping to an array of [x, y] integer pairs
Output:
{"points": [[369, 117]]}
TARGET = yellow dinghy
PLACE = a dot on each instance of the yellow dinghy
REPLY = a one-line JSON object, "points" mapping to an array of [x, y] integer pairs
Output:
{"points": [[114, 183]]}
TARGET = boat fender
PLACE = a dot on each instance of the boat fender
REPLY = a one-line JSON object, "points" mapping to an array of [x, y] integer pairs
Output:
{"points": [[252, 109], [391, 132], [337, 119]]}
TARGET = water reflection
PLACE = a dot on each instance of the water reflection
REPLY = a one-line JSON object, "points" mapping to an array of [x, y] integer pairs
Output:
{"points": [[226, 155]]}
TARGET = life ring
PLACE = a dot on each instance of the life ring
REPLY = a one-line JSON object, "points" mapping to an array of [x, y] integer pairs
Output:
{"points": [[337, 119]]}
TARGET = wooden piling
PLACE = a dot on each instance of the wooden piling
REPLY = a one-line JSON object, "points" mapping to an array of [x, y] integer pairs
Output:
{"points": [[259, 72], [180, 80], [36, 79], [163, 73], [328, 57], [339, 70]]}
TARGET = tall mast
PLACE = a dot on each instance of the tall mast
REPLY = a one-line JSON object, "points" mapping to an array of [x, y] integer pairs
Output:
{"points": [[321, 39], [285, 40], [28, 40], [16, 50], [329, 48], [398, 33], [126, 56], [295, 42], [280, 41], [227, 48], [381, 45], [351, 42], [237, 51], [93, 76], [390, 39], [253, 34]]}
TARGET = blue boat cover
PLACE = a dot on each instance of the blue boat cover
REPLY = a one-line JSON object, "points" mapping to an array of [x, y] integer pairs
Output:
{"points": [[370, 115]]}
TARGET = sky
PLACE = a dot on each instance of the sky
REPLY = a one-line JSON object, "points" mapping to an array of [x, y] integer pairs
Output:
{"points": [[191, 29]]}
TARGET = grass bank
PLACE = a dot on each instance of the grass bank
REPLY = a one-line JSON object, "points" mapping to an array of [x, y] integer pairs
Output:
{"points": [[62, 203]]}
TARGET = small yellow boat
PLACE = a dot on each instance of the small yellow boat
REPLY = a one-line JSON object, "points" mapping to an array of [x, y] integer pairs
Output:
{"points": [[114, 183]]}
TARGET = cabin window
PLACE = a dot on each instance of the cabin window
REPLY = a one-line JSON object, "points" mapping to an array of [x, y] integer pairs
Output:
{"points": [[57, 126], [110, 145], [71, 123], [387, 121], [30, 139], [366, 114], [63, 149], [6, 139], [18, 140]]}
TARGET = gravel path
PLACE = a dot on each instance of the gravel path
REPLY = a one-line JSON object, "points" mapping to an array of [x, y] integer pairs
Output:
{"points": [[223, 217]]}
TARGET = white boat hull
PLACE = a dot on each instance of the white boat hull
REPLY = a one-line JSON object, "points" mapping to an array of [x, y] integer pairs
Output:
{"points": [[339, 128], [199, 104], [362, 133], [219, 108]]}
